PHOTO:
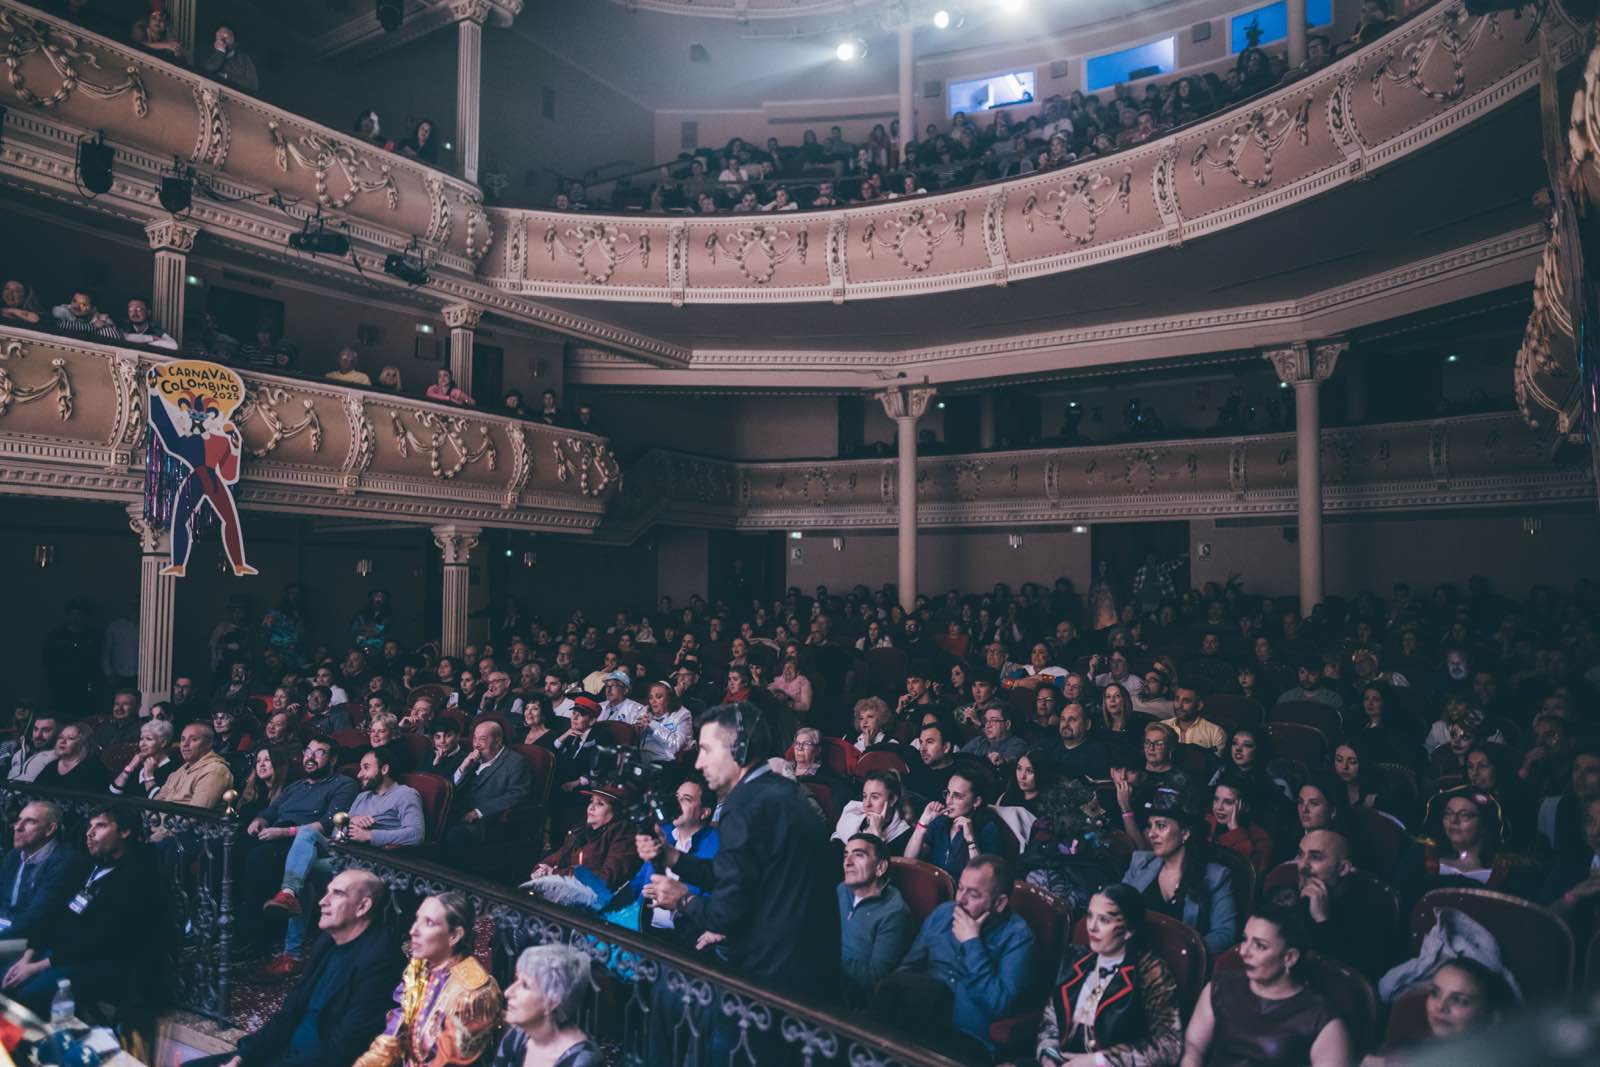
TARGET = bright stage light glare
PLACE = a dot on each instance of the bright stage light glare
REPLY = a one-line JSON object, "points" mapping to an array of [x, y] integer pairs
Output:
{"points": [[850, 49]]}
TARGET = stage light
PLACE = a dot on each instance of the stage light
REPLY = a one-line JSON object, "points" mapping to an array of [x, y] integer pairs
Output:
{"points": [[407, 265], [176, 193], [948, 18], [390, 14], [850, 49], [315, 239], [94, 164]]}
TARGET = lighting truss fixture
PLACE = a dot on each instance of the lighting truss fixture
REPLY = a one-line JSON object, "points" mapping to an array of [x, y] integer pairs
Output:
{"points": [[850, 49], [315, 238], [176, 191], [94, 164], [407, 265]]}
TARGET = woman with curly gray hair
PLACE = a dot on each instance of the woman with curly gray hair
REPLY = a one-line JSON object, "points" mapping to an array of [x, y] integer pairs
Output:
{"points": [[542, 1008]]}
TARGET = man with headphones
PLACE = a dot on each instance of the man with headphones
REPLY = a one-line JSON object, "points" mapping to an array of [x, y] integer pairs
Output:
{"points": [[769, 891]]}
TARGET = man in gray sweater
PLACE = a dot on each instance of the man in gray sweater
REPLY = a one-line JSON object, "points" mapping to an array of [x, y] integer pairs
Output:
{"points": [[875, 925]]}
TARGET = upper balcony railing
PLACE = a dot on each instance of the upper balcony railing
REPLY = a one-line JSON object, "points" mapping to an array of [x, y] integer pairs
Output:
{"points": [[1426, 79], [247, 146], [72, 422]]}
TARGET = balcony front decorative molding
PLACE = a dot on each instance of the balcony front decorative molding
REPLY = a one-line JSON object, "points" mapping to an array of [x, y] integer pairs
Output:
{"points": [[1471, 461], [1424, 81], [312, 447]]}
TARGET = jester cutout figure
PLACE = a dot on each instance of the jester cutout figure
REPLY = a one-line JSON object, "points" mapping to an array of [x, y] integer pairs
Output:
{"points": [[190, 405]]}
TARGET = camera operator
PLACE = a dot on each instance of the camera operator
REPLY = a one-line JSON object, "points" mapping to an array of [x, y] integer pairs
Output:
{"points": [[769, 891]]}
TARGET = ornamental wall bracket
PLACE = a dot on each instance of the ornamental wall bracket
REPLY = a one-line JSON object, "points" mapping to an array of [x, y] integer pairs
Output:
{"points": [[598, 248], [442, 431], [363, 444], [521, 466], [1306, 361], [1164, 190], [456, 543], [170, 235], [1266, 129], [915, 235], [213, 129], [59, 382], [900, 403], [1411, 64], [837, 262], [994, 236], [263, 402], [462, 316], [154, 537], [678, 262], [758, 250], [1082, 192], [590, 462], [439, 216], [67, 54], [517, 252], [320, 155], [1342, 124], [128, 425]]}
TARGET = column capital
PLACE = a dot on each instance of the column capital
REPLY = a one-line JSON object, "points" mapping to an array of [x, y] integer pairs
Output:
{"points": [[456, 542], [907, 403], [1306, 361], [470, 11], [170, 235], [154, 539], [462, 316]]}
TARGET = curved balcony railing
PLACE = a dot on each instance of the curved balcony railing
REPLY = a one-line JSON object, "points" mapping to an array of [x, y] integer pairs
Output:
{"points": [[646, 981], [247, 145], [1432, 76], [197, 873], [72, 422], [1468, 461]]}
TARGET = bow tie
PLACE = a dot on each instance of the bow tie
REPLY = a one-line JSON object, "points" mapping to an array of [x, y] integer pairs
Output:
{"points": [[1107, 972]]}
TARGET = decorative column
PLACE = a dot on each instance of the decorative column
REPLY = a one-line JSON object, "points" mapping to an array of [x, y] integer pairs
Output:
{"points": [[986, 421], [470, 16], [157, 601], [908, 78], [905, 407], [1306, 366], [180, 19], [1296, 10], [462, 319], [455, 545], [172, 241]]}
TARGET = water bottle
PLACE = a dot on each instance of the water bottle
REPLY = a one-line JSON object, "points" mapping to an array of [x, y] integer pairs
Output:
{"points": [[62, 1007]]}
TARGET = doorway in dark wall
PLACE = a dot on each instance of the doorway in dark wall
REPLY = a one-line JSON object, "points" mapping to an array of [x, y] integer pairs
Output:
{"points": [[760, 572], [488, 377], [1124, 546]]}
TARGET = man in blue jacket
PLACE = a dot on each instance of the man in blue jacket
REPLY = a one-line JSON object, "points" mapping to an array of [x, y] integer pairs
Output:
{"points": [[38, 875], [875, 926]]}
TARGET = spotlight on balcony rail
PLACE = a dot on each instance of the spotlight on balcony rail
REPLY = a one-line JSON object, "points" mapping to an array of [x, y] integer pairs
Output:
{"points": [[407, 265], [94, 164], [850, 49], [315, 238], [390, 14]]}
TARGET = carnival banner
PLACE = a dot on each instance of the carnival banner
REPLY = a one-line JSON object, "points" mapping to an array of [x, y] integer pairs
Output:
{"points": [[194, 452]]}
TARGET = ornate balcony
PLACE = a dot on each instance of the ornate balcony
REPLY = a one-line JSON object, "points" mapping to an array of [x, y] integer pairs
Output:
{"points": [[72, 424], [1469, 461]]}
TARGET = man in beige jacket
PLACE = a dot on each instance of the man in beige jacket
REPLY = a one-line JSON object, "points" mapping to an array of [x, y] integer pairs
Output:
{"points": [[202, 779]]}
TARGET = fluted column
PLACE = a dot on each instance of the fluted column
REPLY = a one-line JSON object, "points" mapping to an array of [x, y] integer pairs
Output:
{"points": [[172, 241], [462, 319], [469, 16], [905, 407], [158, 594], [180, 18], [986, 421], [1305, 366], [456, 544], [908, 73], [1297, 32]]}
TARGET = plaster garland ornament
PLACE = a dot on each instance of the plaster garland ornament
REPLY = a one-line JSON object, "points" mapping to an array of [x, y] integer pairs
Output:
{"points": [[1140, 470], [597, 248], [67, 54], [521, 466], [320, 155], [1410, 63], [1080, 193], [1265, 129], [263, 402], [127, 428], [442, 431], [476, 220], [678, 262], [517, 252], [1342, 125], [439, 217], [363, 444], [838, 244], [994, 236], [213, 129], [590, 462], [1164, 190], [915, 235], [758, 250], [59, 383]]}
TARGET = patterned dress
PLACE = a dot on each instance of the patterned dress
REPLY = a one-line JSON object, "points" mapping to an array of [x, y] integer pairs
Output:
{"points": [[448, 1017]]}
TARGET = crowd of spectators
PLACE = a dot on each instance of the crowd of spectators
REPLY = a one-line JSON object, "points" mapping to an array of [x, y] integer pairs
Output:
{"points": [[1149, 759]]}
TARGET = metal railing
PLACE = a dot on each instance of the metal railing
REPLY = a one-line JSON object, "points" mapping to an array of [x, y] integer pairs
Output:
{"points": [[197, 873], [655, 995]]}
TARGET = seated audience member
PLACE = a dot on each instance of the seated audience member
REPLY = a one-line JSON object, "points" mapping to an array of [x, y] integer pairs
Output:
{"points": [[1119, 723], [1338, 927], [337, 1007], [791, 687], [498, 697], [140, 329], [269, 774], [1323, 804], [448, 1008], [1573, 889], [390, 381], [1561, 818], [690, 832], [602, 847], [1160, 745], [929, 773], [103, 942], [1080, 755], [1173, 874], [1188, 723], [543, 1005], [957, 829], [346, 372], [1232, 823], [123, 726], [617, 705], [873, 720], [666, 727], [202, 778], [997, 744], [448, 751], [549, 411], [445, 390], [1114, 1001], [1152, 698], [489, 782], [227, 63], [151, 764], [809, 766], [1310, 686], [539, 726], [877, 813], [35, 750], [986, 979], [1031, 777], [77, 764], [79, 315], [875, 925], [18, 304], [1261, 1014], [37, 876], [1463, 828], [421, 144], [984, 684], [1462, 995]]}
